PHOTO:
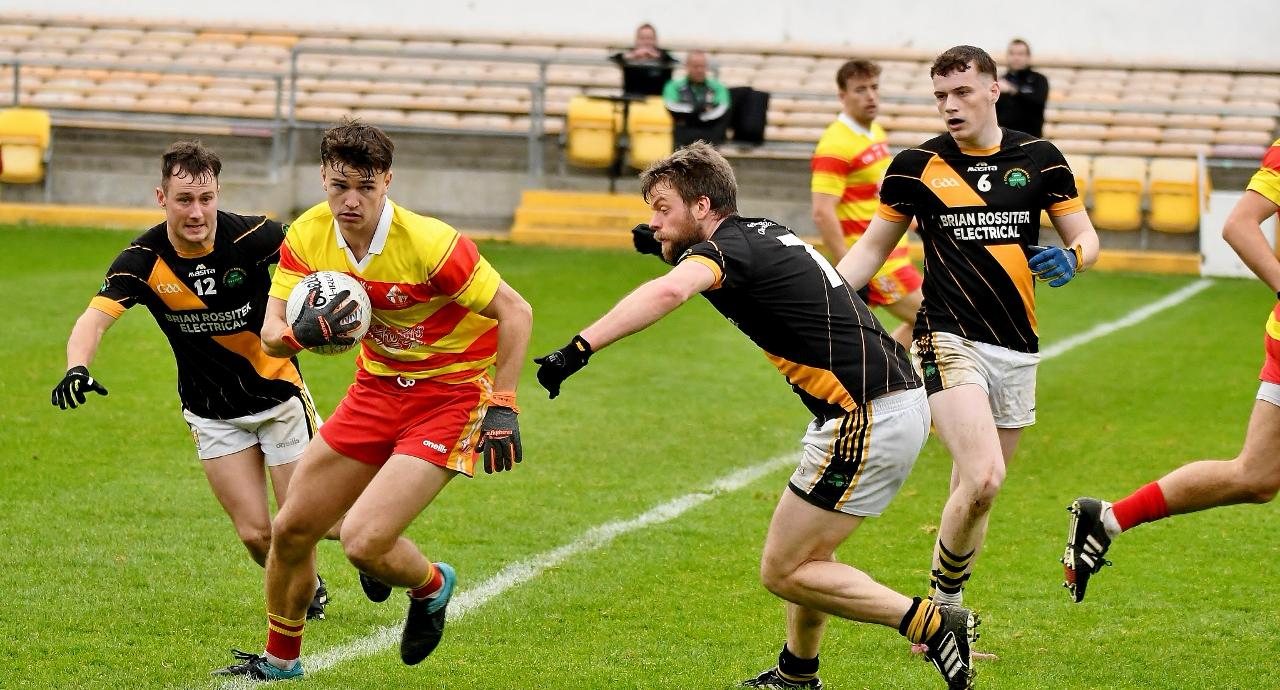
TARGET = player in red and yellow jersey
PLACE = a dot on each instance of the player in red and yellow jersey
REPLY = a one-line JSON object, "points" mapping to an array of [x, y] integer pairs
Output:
{"points": [[1253, 476], [422, 404], [848, 166]]}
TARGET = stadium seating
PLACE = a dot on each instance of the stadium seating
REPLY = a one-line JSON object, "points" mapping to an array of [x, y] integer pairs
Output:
{"points": [[591, 132], [1118, 183], [25, 137], [1175, 192], [649, 127]]}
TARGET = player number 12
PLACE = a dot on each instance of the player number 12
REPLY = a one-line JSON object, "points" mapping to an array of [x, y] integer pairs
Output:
{"points": [[205, 286]]}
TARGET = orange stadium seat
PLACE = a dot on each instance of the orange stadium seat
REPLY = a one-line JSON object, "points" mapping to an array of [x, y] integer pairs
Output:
{"points": [[650, 129], [591, 127], [25, 135], [1118, 182], [1175, 195]]}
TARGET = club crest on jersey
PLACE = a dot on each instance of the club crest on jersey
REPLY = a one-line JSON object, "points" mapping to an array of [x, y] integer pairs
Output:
{"points": [[397, 296], [1017, 177], [234, 278]]}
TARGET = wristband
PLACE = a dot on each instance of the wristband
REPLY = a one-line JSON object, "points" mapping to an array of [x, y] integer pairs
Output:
{"points": [[1079, 252], [504, 399], [288, 339]]}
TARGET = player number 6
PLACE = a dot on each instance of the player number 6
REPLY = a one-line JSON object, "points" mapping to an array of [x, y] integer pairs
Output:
{"points": [[984, 185]]}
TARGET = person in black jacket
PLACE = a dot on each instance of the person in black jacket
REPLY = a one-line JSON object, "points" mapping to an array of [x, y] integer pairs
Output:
{"points": [[646, 68], [1023, 92]]}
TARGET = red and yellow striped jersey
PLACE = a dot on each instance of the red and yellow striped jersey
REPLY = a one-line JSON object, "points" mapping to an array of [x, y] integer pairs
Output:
{"points": [[849, 162], [1267, 180], [426, 284]]}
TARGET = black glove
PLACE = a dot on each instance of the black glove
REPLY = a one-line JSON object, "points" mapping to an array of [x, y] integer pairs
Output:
{"points": [[642, 238], [500, 439], [554, 368], [319, 325], [70, 390]]}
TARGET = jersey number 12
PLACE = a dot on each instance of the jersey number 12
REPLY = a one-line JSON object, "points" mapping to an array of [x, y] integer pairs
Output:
{"points": [[205, 286]]}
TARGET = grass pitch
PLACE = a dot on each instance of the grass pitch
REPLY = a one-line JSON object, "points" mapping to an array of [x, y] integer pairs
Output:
{"points": [[119, 570]]}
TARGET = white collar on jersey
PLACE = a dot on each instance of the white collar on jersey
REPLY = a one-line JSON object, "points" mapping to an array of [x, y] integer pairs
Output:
{"points": [[852, 124], [379, 237]]}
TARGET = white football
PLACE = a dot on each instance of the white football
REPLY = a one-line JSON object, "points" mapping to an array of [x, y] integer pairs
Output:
{"points": [[328, 284]]}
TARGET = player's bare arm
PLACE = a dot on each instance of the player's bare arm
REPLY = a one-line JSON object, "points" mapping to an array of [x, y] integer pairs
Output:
{"points": [[868, 254], [86, 335], [515, 325], [645, 306], [1243, 231], [1076, 230], [828, 224]]}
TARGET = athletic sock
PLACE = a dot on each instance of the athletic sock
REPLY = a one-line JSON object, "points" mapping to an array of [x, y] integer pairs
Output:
{"points": [[921, 621], [950, 577], [284, 641], [430, 587], [795, 669], [1144, 505]]}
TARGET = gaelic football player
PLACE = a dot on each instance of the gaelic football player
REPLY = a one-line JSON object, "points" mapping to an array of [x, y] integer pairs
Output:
{"points": [[848, 166], [203, 275], [1254, 475], [847, 370], [422, 405], [977, 193]]}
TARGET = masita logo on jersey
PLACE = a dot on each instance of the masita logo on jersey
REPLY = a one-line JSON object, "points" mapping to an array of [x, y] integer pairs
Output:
{"points": [[200, 270]]}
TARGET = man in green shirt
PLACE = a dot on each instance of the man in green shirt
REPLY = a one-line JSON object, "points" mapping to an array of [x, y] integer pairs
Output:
{"points": [[698, 103]]}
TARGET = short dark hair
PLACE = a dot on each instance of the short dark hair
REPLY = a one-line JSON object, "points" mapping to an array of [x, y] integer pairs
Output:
{"points": [[191, 159], [694, 171], [648, 26], [957, 59], [358, 145], [856, 68], [1020, 42]]}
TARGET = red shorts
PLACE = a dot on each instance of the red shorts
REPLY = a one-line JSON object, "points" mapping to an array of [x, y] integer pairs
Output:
{"points": [[1271, 344], [383, 416], [891, 286]]}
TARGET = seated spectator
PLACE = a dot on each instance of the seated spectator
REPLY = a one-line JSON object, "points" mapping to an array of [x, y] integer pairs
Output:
{"points": [[698, 104], [646, 68], [1023, 92]]}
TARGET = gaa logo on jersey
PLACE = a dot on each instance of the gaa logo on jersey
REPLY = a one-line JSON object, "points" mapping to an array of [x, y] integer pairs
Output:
{"points": [[234, 278], [1017, 177]]}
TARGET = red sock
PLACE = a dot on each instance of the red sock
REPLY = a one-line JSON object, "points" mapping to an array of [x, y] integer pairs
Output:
{"points": [[433, 583], [1144, 505], [284, 637]]}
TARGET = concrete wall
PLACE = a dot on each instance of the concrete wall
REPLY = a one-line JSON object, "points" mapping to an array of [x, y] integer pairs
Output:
{"points": [[1185, 29]]}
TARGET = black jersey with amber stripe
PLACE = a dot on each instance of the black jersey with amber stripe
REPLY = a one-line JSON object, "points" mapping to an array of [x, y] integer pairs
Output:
{"points": [[978, 211], [211, 309], [812, 326]]}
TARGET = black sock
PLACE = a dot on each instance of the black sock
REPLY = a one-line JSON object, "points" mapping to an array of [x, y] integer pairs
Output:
{"points": [[794, 668]]}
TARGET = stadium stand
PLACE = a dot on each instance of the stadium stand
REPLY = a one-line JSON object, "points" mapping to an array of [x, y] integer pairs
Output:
{"points": [[269, 80], [1118, 184]]}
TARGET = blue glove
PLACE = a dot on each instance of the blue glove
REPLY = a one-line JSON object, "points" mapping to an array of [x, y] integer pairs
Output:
{"points": [[1053, 264]]}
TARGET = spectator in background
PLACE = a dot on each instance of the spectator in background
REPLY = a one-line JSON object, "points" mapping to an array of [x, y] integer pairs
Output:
{"points": [[646, 68], [1023, 92], [698, 104]]}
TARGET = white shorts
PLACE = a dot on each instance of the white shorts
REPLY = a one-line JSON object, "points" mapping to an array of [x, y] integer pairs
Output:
{"points": [[1270, 392], [282, 431], [855, 464], [1007, 376]]}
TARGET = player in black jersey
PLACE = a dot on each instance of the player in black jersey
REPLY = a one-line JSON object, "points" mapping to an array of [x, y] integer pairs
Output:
{"points": [[977, 193], [203, 274], [871, 417]]}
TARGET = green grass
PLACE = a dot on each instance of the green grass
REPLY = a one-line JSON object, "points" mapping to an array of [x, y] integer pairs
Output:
{"points": [[119, 570]]}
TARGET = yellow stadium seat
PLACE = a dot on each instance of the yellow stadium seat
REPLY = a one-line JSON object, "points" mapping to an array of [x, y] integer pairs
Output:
{"points": [[1117, 192], [1175, 197], [591, 127], [24, 145], [650, 129]]}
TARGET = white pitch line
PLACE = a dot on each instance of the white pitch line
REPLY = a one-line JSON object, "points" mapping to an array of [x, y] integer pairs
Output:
{"points": [[1134, 317], [519, 572], [600, 536]]}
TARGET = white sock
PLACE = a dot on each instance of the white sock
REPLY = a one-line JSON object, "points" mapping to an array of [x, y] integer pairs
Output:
{"points": [[1109, 522], [282, 664], [942, 598]]}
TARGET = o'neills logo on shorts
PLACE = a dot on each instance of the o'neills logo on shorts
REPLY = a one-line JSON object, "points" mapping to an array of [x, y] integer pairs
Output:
{"points": [[437, 447]]}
